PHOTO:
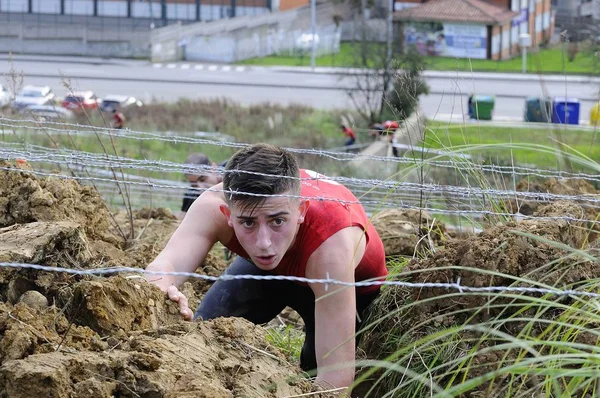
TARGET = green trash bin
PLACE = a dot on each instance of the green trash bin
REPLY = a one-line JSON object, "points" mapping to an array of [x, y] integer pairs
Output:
{"points": [[538, 110], [482, 107]]}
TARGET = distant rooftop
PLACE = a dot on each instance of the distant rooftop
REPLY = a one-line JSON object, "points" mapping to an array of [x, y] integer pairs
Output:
{"points": [[476, 11]]}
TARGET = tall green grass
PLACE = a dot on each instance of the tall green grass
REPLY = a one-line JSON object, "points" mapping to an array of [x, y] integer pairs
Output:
{"points": [[433, 342]]}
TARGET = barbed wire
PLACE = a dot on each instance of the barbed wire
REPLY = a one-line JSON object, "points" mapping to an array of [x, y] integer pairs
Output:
{"points": [[382, 185], [339, 156], [328, 281], [379, 204]]}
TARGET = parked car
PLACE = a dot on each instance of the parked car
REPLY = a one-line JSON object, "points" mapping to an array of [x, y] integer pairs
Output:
{"points": [[33, 95], [81, 100], [4, 96], [121, 102], [47, 112]]}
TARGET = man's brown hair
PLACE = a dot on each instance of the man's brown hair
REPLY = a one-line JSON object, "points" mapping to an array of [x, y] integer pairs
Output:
{"points": [[280, 165]]}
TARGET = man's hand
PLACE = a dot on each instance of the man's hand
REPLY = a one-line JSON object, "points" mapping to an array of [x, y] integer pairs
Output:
{"points": [[176, 296]]}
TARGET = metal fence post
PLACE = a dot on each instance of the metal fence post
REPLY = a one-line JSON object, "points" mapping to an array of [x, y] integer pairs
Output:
{"points": [[30, 6], [232, 8], [62, 7], [95, 8], [128, 8], [313, 22], [198, 14], [163, 11]]}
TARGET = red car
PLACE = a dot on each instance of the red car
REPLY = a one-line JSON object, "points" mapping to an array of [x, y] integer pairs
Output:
{"points": [[81, 100]]}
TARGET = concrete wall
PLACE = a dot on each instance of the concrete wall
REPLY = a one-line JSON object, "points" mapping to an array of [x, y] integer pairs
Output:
{"points": [[376, 30], [243, 37], [257, 42], [123, 49], [20, 38]]}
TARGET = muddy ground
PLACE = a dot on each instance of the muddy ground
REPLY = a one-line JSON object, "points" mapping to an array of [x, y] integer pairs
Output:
{"points": [[63, 335]]}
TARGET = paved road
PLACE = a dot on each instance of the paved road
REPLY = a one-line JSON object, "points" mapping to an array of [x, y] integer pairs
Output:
{"points": [[321, 89]]}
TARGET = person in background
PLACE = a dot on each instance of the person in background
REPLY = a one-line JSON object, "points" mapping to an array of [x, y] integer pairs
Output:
{"points": [[199, 181], [387, 128], [376, 130], [470, 106], [390, 126], [118, 119], [350, 134]]}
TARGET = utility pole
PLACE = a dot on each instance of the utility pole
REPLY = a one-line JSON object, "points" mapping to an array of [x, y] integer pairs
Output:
{"points": [[388, 74], [390, 32], [313, 17]]}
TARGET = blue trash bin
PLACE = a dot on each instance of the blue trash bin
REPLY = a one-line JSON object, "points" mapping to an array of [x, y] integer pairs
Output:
{"points": [[565, 110]]}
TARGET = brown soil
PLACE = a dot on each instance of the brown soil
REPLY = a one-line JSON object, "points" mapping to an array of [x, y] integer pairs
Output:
{"points": [[569, 187], [63, 335], [408, 232]]}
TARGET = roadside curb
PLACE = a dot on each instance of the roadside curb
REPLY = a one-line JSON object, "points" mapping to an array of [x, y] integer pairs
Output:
{"points": [[442, 74]]}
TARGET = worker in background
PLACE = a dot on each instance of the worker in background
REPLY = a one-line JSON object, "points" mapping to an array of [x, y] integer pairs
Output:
{"points": [[118, 119], [348, 132]]}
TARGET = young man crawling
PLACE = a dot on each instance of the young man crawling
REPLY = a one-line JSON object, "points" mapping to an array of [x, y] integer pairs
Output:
{"points": [[281, 220]]}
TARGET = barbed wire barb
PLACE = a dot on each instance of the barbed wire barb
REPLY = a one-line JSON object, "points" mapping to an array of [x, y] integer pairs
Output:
{"points": [[227, 277]]}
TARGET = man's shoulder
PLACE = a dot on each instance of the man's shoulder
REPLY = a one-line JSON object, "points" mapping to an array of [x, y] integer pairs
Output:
{"points": [[316, 185]]}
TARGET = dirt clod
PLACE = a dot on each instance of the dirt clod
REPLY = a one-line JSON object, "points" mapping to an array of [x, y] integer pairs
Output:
{"points": [[406, 232], [34, 299]]}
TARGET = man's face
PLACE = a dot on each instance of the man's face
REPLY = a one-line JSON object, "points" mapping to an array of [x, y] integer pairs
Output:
{"points": [[204, 180], [268, 231]]}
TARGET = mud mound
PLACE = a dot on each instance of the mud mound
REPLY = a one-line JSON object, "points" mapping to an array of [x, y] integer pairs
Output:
{"points": [[406, 232], [120, 337], [150, 236], [220, 358], [156, 213], [516, 250], [48, 242], [570, 187], [65, 335], [118, 305], [25, 198], [26, 331]]}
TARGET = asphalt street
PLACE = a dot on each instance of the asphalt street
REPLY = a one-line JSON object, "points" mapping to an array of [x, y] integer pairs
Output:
{"points": [[321, 88]]}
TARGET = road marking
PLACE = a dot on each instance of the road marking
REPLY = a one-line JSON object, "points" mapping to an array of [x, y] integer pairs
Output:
{"points": [[240, 68], [185, 66], [226, 68], [171, 66], [157, 65], [212, 67], [198, 67]]}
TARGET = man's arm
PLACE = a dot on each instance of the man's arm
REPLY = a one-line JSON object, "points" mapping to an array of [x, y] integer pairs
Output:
{"points": [[335, 308], [202, 227]]}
